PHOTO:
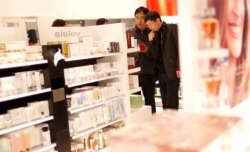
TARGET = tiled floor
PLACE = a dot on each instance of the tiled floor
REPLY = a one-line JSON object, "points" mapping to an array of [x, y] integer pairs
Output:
{"points": [[158, 104], [159, 109]]}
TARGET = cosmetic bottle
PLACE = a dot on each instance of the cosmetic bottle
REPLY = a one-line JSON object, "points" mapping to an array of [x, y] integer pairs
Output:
{"points": [[5, 145], [209, 29], [128, 35], [25, 140], [45, 136]]}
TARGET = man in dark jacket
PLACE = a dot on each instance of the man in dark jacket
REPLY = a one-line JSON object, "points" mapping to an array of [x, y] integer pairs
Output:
{"points": [[146, 75], [164, 46]]}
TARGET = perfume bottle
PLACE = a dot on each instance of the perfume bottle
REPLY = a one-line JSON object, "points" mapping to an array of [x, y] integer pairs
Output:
{"points": [[128, 36], [210, 27], [213, 86]]}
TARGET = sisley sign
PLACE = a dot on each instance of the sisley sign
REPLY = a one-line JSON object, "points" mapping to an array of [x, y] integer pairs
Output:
{"points": [[70, 34], [66, 34]]}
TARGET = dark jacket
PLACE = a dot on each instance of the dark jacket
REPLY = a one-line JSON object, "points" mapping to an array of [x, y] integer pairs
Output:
{"points": [[167, 40], [142, 59]]}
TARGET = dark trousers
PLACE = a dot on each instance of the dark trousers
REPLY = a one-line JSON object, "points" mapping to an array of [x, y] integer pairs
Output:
{"points": [[169, 92], [147, 83]]}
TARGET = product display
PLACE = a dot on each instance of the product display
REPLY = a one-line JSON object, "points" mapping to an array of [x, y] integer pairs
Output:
{"points": [[22, 82], [90, 95], [35, 110], [96, 116], [85, 47], [18, 52], [95, 141], [96, 83], [25, 140], [34, 53], [12, 52], [90, 72]]}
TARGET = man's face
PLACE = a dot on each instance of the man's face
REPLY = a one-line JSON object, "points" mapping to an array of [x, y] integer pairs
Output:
{"points": [[139, 20], [154, 25]]}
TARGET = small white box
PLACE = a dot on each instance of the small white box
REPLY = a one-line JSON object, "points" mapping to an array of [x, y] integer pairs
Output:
{"points": [[131, 62], [133, 81], [74, 49]]}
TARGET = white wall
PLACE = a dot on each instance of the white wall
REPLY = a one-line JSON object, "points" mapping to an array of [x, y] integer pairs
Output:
{"points": [[70, 9]]}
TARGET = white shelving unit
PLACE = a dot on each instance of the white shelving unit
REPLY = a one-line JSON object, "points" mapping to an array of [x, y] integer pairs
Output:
{"points": [[92, 57], [98, 33], [103, 102], [134, 70], [44, 148], [4, 99], [25, 125], [89, 131], [8, 101], [20, 65]]}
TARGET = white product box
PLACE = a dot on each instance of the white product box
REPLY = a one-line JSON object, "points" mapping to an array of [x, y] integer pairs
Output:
{"points": [[133, 81], [131, 62], [74, 49]]}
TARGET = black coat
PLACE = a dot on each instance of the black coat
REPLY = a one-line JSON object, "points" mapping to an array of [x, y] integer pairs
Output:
{"points": [[168, 34]]}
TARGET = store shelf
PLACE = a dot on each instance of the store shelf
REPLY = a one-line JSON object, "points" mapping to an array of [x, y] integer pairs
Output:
{"points": [[92, 81], [135, 90], [89, 131], [25, 125], [43, 148], [212, 53], [104, 101], [8, 98], [21, 65], [134, 70], [91, 57], [133, 50]]}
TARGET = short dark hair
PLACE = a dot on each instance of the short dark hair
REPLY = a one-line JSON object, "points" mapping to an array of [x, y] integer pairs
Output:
{"points": [[101, 21], [152, 16], [58, 23], [142, 9]]}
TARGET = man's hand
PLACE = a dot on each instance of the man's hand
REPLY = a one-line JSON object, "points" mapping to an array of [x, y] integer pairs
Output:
{"points": [[151, 36], [178, 74]]}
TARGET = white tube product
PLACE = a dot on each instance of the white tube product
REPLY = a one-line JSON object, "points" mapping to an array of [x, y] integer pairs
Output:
{"points": [[46, 136]]}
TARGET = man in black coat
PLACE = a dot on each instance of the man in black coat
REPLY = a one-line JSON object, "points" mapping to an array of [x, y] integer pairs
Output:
{"points": [[146, 75], [164, 47]]}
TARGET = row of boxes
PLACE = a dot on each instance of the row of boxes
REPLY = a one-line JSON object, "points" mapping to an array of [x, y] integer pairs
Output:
{"points": [[25, 140], [21, 82], [96, 116]]}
